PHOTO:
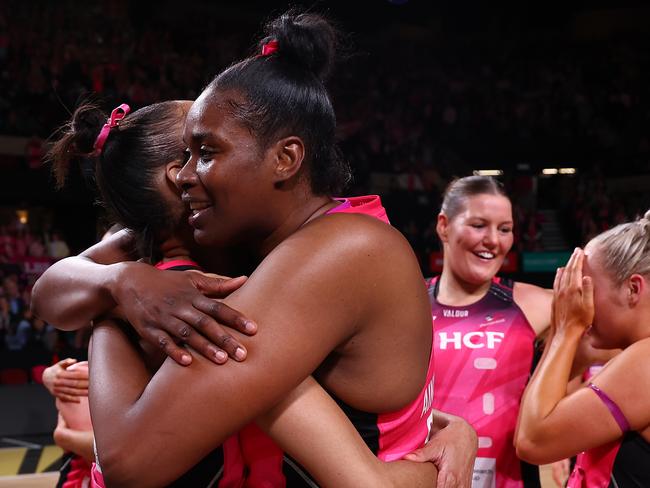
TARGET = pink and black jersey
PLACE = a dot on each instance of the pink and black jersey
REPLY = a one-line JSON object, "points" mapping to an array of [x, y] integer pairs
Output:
{"points": [[622, 463], [484, 353], [389, 435]]}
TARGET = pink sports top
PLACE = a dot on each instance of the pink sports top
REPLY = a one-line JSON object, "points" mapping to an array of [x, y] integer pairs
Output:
{"points": [[484, 353], [389, 435], [622, 463]]}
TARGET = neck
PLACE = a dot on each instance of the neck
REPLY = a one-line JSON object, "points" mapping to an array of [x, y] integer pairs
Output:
{"points": [[300, 213], [174, 248], [457, 292]]}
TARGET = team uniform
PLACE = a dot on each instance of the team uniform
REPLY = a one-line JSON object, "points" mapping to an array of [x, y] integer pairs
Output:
{"points": [[484, 353], [619, 464], [260, 463], [251, 459]]}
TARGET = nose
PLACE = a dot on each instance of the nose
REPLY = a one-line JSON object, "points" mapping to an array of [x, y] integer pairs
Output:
{"points": [[491, 238], [186, 177]]}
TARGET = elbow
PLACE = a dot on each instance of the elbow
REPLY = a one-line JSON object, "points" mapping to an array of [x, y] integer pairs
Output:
{"points": [[531, 450], [120, 469]]}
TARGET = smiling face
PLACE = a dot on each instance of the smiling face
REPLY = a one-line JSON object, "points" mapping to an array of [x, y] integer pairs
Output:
{"points": [[227, 181], [477, 239]]}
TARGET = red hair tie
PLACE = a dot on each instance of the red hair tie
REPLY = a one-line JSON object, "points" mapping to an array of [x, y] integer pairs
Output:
{"points": [[117, 114], [269, 48]]}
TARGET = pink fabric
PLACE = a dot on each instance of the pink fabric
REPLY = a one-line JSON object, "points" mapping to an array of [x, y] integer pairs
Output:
{"points": [[593, 468], [96, 478], [177, 262], [408, 429], [484, 353], [367, 205], [117, 114], [79, 474]]}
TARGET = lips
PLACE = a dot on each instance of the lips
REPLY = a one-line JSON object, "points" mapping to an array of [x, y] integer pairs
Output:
{"points": [[486, 255], [198, 208]]}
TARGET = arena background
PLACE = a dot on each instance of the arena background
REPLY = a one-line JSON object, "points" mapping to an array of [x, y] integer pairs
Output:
{"points": [[553, 100]]}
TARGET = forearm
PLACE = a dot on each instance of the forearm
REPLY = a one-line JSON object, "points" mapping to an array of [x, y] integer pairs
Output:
{"points": [[75, 291], [118, 378], [547, 387], [335, 454], [78, 441]]}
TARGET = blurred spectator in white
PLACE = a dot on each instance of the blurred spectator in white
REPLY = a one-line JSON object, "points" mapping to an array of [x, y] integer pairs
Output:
{"points": [[57, 247]]}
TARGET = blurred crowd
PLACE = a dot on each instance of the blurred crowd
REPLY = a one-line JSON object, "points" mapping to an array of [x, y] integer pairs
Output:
{"points": [[26, 341], [415, 109]]}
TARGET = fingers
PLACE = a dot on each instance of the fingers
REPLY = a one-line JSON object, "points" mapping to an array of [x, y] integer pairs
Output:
{"points": [[588, 292], [185, 328], [207, 349], [418, 456], [73, 383], [217, 287], [66, 392], [558, 279], [206, 327], [163, 340], [224, 315], [65, 363]]}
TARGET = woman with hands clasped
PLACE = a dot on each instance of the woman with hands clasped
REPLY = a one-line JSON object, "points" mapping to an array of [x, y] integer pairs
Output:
{"points": [[603, 292]]}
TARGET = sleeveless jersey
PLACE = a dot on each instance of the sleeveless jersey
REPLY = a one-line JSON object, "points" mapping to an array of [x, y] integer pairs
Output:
{"points": [[389, 436], [484, 353], [253, 460], [622, 463]]}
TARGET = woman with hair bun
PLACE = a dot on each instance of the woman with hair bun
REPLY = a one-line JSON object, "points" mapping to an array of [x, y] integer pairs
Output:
{"points": [[603, 293], [261, 171], [485, 328]]}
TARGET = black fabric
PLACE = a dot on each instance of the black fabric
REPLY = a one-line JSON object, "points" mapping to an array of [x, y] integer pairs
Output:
{"points": [[65, 468], [632, 463], [204, 473], [364, 422]]}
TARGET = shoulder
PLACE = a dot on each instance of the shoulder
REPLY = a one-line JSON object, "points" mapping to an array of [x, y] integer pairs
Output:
{"points": [[626, 380], [536, 304], [355, 258], [353, 236]]}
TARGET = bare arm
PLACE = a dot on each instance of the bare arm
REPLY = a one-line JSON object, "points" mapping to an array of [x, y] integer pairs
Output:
{"points": [[552, 425], [78, 441], [334, 453], [104, 281], [300, 329], [76, 290]]}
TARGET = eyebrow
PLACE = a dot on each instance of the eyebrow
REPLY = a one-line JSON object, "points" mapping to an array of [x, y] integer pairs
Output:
{"points": [[197, 135]]}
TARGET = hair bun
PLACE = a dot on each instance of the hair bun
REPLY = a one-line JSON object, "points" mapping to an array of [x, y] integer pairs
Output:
{"points": [[305, 40], [646, 216], [87, 121]]}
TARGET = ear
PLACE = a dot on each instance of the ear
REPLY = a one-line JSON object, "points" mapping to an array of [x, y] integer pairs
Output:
{"points": [[636, 285], [289, 155], [442, 227], [171, 172]]}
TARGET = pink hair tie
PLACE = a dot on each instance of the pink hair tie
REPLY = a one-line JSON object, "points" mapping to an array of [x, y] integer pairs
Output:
{"points": [[117, 114], [269, 48]]}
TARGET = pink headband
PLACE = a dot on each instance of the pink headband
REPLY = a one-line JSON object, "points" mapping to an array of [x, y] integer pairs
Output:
{"points": [[117, 114], [269, 48]]}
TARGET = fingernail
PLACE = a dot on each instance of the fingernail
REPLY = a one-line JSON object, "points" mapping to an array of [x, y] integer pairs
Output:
{"points": [[240, 354], [220, 355], [186, 359], [250, 326]]}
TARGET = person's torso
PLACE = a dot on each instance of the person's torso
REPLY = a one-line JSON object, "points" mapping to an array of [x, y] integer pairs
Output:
{"points": [[484, 353]]}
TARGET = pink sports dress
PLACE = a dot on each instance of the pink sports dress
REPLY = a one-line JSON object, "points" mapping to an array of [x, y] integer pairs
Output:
{"points": [[484, 353]]}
